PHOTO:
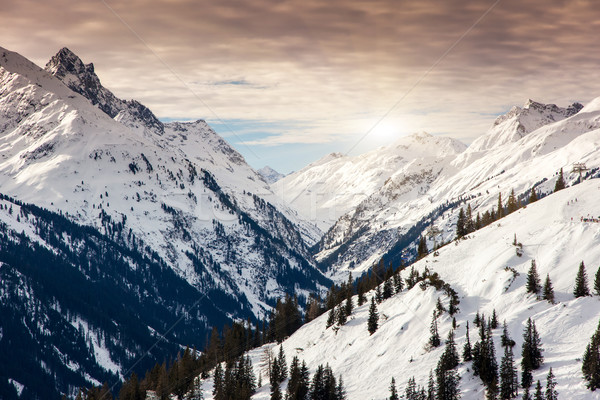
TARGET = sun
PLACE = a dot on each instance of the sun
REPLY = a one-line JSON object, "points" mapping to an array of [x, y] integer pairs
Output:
{"points": [[387, 130]]}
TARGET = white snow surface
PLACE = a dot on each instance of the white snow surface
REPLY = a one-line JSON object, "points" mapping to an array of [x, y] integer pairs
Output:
{"points": [[474, 177], [270, 175], [60, 152], [477, 267], [327, 189]]}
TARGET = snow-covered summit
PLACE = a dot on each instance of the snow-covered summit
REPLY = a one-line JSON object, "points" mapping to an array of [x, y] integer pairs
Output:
{"points": [[519, 122], [328, 188], [269, 174], [81, 78]]}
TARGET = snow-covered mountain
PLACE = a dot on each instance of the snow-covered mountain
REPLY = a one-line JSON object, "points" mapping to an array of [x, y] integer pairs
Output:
{"points": [[336, 184], [486, 272], [414, 200], [176, 192], [269, 174]]}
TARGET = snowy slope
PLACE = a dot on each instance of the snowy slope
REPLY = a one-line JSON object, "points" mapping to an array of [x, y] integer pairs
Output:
{"points": [[417, 200], [181, 189], [330, 187], [478, 269]]}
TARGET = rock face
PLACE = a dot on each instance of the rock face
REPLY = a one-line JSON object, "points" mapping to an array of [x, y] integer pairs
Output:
{"points": [[82, 79]]}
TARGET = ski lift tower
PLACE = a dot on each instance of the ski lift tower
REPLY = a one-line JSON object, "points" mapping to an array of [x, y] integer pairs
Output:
{"points": [[579, 168]]}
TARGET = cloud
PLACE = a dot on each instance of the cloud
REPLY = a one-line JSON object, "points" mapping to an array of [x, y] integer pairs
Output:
{"points": [[323, 71]]}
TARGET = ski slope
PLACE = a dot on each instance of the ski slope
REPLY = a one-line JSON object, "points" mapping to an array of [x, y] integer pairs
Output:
{"points": [[551, 232]]}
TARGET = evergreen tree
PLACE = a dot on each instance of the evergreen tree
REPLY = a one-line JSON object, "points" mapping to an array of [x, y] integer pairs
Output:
{"points": [[467, 356], [508, 375], [548, 291], [340, 391], [431, 387], [533, 197], [597, 282], [526, 395], [533, 279], [331, 317], [531, 353], [551, 393], [500, 212], [361, 294], [505, 339], [511, 204], [494, 321], [398, 285], [349, 306], [560, 182], [461, 229], [591, 361], [393, 392], [422, 250], [581, 284], [410, 392], [469, 223], [378, 294], [538, 395], [341, 315], [434, 339], [373, 317], [218, 389], [447, 377], [282, 365], [388, 289]]}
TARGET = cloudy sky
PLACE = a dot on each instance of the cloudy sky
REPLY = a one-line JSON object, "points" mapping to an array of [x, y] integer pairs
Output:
{"points": [[287, 82]]}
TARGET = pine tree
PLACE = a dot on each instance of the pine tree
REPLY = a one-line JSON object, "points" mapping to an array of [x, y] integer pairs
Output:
{"points": [[526, 395], [533, 279], [447, 377], [331, 317], [218, 389], [378, 294], [340, 392], [430, 387], [551, 393], [531, 353], [422, 250], [373, 317], [538, 395], [461, 229], [349, 306], [361, 293], [591, 361], [393, 392], [508, 375], [597, 282], [341, 315], [469, 223], [581, 284], [511, 204], [434, 339], [500, 212], [494, 321], [388, 289], [533, 197], [560, 182], [282, 365], [548, 291], [505, 339], [467, 356], [398, 285]]}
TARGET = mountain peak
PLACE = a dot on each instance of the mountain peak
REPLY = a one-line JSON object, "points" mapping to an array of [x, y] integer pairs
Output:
{"points": [[519, 122], [269, 174], [81, 78]]}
